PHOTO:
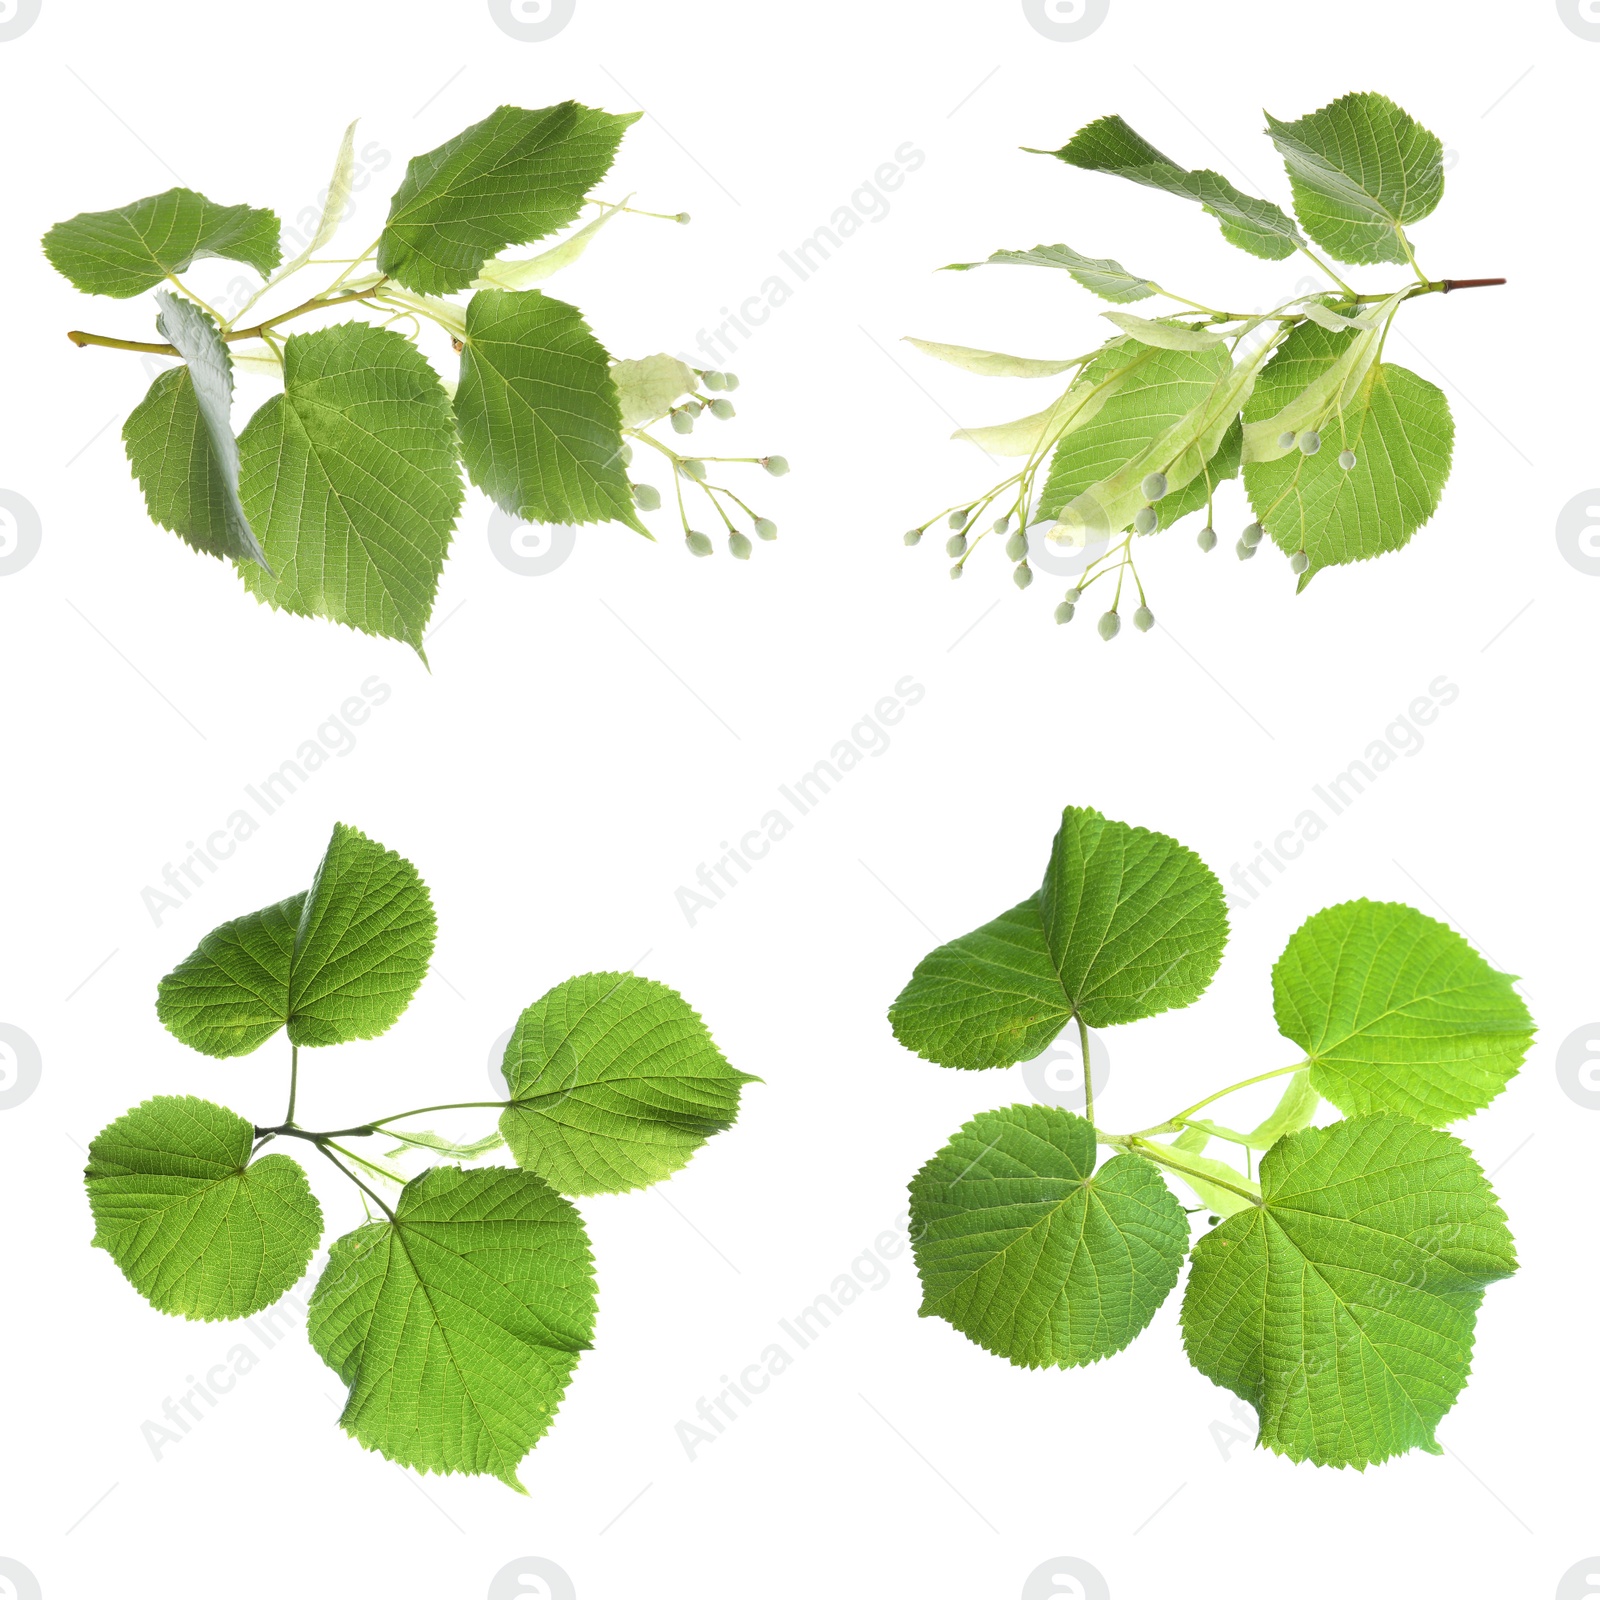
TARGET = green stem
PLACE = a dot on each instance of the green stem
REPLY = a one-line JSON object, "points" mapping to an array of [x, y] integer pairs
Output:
{"points": [[456, 1105], [1088, 1086], [259, 331], [370, 1193], [294, 1083], [1312, 256], [1174, 1123], [1162, 1157]]}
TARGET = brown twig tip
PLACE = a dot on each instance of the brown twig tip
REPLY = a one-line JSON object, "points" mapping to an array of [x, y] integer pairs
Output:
{"points": [[1471, 283]]}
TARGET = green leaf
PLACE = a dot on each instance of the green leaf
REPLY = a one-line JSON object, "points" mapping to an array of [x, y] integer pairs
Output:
{"points": [[180, 439], [1162, 333], [615, 1083], [338, 962], [199, 1229], [1397, 1012], [351, 480], [1398, 425], [541, 426], [1129, 923], [1147, 393], [514, 177], [990, 363], [646, 388], [363, 944], [340, 184], [232, 994], [1032, 1254], [1342, 1308], [457, 1324], [1110, 145], [1108, 279], [1134, 922], [1360, 168], [124, 252], [988, 999]]}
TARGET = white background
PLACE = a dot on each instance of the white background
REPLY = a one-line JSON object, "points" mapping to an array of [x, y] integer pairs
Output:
{"points": [[586, 739]]}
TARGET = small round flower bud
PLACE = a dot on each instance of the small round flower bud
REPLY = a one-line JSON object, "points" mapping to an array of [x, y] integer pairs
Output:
{"points": [[1347, 459], [956, 545], [722, 409], [1244, 551], [1145, 520], [1017, 546], [1154, 485], [1207, 538], [776, 465], [1144, 619], [1252, 534], [647, 497], [699, 543], [682, 216], [1310, 442], [912, 536], [768, 529], [1110, 625], [627, 455], [691, 468], [957, 519], [713, 380], [1022, 575], [1299, 561], [1074, 596], [739, 547], [1286, 440], [682, 422], [956, 570], [1064, 611], [1002, 523], [730, 380]]}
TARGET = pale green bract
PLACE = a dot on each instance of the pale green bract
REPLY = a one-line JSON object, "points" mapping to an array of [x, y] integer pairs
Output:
{"points": [[615, 1083], [1108, 279], [990, 363], [337, 963], [1033, 1254], [540, 422], [457, 1324], [351, 482], [1342, 1307], [1128, 923], [647, 388], [198, 1228], [1164, 335], [514, 177], [1397, 1012], [1360, 168], [123, 252]]}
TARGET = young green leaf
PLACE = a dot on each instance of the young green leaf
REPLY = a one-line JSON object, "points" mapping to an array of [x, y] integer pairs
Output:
{"points": [[208, 504], [1033, 1254], [514, 177], [1342, 1307], [457, 1323], [199, 1229], [1397, 1012], [987, 999], [1400, 429], [334, 206], [647, 388], [1360, 169], [351, 481], [133, 248], [991, 363], [1110, 145], [337, 963], [541, 426], [1134, 922], [1108, 279], [615, 1083]]}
